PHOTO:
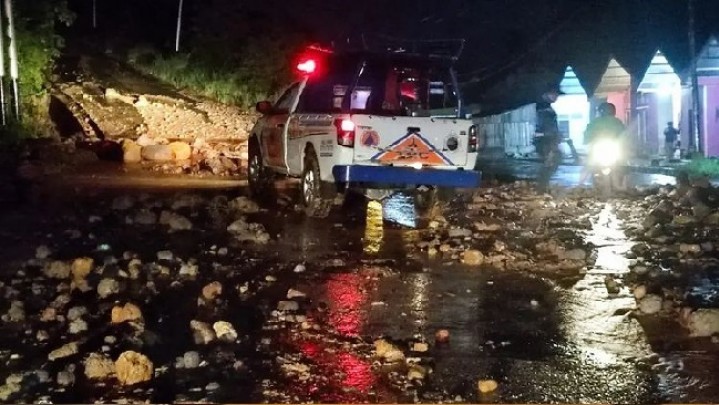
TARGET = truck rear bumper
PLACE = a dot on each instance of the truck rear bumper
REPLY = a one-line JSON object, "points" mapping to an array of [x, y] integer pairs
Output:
{"points": [[391, 175]]}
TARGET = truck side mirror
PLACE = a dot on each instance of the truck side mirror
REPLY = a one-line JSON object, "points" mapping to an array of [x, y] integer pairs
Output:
{"points": [[264, 107]]}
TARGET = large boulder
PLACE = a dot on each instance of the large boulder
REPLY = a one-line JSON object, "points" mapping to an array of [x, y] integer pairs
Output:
{"points": [[158, 153], [181, 150], [131, 152]]}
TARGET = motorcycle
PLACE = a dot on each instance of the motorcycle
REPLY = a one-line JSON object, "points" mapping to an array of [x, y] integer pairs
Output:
{"points": [[605, 155]]}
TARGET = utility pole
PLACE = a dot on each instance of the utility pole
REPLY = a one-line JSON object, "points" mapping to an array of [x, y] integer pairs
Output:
{"points": [[695, 141], [179, 26], [12, 53], [94, 14], [2, 70]]}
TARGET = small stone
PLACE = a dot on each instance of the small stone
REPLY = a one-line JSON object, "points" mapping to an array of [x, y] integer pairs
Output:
{"points": [[107, 287], [612, 285], [42, 336], [300, 268], [416, 372], [292, 294], [42, 252], [640, 292], [110, 340], [202, 333], [66, 350], [165, 255], [57, 270], [689, 248], [191, 359], [133, 368], [189, 270], [442, 336], [650, 304], [81, 267], [98, 366], [65, 378], [473, 257], [213, 386], [175, 222], [123, 203], [145, 217], [288, 306], [180, 150], [420, 347], [76, 313], [703, 322], [387, 351], [225, 331], [459, 233], [131, 152], [126, 313], [16, 313], [48, 314], [487, 386], [575, 254], [212, 290], [77, 326]]}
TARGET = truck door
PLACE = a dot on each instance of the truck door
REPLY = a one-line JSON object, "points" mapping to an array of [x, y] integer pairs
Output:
{"points": [[274, 134]]}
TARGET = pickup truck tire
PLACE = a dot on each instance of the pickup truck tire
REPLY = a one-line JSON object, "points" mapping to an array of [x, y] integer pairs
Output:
{"points": [[314, 198], [260, 179]]}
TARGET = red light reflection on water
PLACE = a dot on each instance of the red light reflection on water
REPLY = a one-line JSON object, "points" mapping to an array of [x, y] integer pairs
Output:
{"points": [[346, 296], [356, 372]]}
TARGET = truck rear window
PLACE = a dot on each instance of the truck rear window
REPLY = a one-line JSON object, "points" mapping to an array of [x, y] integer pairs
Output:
{"points": [[381, 88]]}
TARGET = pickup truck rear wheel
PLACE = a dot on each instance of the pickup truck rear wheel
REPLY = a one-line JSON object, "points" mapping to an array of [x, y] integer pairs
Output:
{"points": [[317, 202], [260, 179]]}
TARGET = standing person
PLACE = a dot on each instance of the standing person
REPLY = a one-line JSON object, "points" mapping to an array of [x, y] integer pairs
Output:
{"points": [[547, 138], [670, 140]]}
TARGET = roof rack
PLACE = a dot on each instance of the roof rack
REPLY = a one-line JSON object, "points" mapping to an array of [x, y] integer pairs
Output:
{"points": [[434, 48]]}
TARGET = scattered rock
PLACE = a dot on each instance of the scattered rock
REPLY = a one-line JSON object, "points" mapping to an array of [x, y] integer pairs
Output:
{"points": [[180, 150], [98, 366], [123, 203], [300, 268], [416, 372], [77, 326], [131, 152], [201, 332], [133, 368], [388, 352], [612, 285], [640, 292], [42, 252], [690, 248], [165, 255], [81, 267], [244, 205], [420, 347], [145, 217], [57, 270], [473, 258], [212, 290], [288, 306], [292, 294], [189, 270], [107, 287], [650, 304], [487, 386], [225, 331], [126, 313], [191, 360], [158, 153], [16, 313], [175, 222], [64, 351], [703, 322], [65, 378]]}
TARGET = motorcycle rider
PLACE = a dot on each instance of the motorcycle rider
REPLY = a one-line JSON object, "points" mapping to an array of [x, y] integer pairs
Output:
{"points": [[605, 125]]}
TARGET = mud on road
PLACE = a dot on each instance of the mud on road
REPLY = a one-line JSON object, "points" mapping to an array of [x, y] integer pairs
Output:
{"points": [[202, 295]]}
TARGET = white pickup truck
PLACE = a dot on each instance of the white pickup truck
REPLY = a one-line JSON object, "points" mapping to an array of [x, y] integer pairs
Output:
{"points": [[367, 121]]}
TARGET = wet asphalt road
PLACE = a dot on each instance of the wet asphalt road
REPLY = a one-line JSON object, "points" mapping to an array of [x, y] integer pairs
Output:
{"points": [[542, 340]]}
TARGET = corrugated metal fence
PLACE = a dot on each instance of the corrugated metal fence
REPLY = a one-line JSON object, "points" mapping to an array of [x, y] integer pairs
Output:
{"points": [[511, 131]]}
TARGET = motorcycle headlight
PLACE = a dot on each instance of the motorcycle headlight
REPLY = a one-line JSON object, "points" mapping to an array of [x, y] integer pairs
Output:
{"points": [[606, 152]]}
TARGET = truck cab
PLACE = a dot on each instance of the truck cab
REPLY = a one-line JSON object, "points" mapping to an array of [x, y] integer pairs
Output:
{"points": [[365, 120]]}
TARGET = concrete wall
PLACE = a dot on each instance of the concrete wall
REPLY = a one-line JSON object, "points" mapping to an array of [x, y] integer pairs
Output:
{"points": [[511, 131]]}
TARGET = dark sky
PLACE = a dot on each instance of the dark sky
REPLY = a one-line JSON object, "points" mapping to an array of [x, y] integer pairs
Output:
{"points": [[503, 36]]}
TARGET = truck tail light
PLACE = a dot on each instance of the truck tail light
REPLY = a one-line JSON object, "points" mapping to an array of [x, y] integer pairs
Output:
{"points": [[345, 132], [473, 143]]}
